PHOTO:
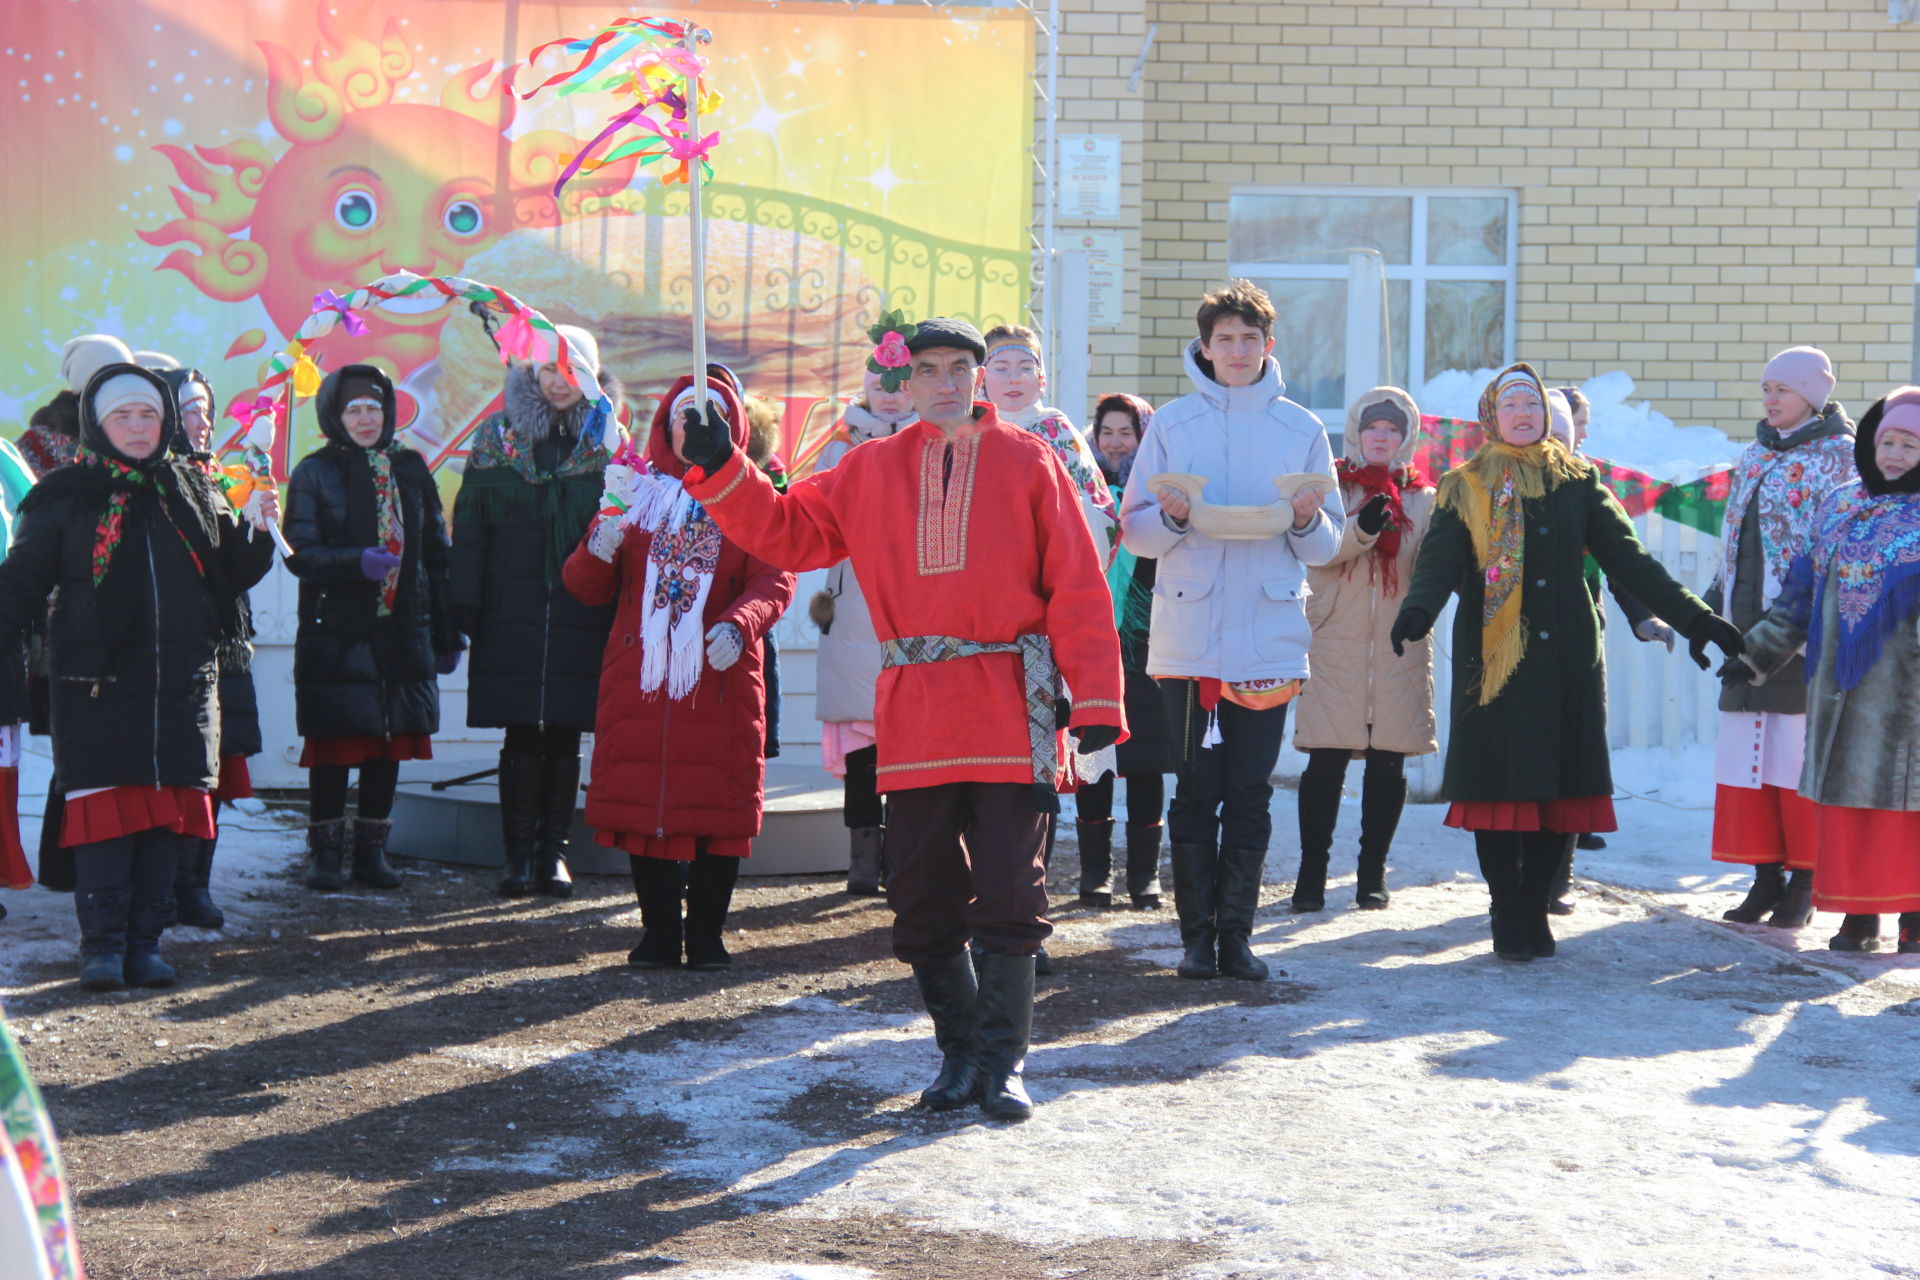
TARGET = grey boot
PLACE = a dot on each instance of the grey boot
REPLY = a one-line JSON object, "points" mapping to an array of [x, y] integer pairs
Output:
{"points": [[326, 850], [1195, 872], [952, 996], [1239, 897], [866, 861], [1002, 1034], [521, 778], [370, 853]]}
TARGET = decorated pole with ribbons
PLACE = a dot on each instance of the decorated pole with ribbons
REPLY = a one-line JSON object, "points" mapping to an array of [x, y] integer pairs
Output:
{"points": [[665, 77]]}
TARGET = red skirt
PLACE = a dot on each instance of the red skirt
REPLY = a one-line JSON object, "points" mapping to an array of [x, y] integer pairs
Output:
{"points": [[1576, 816], [1755, 826], [674, 848], [236, 780], [14, 871], [121, 811], [1869, 860], [359, 749]]}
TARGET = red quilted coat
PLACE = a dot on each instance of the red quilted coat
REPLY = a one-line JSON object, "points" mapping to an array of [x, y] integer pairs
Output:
{"points": [[693, 766]]}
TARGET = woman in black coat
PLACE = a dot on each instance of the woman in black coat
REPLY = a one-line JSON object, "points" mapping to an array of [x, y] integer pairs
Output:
{"points": [[150, 566], [532, 484], [239, 707], [371, 552]]}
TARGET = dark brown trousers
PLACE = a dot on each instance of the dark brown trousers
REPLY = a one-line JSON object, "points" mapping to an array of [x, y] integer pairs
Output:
{"points": [[964, 861]]}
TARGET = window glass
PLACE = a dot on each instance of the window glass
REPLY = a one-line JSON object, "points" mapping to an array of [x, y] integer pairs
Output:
{"points": [[1466, 325], [1318, 228], [1467, 231]]}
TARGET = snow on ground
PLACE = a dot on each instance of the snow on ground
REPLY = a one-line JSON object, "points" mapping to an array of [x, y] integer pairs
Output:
{"points": [[1669, 1097], [1632, 435]]}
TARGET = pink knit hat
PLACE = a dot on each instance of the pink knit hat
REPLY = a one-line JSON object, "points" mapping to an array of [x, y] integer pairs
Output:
{"points": [[1805, 370], [1902, 413]]}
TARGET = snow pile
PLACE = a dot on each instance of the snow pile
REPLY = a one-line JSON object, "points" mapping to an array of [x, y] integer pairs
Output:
{"points": [[1632, 435]]}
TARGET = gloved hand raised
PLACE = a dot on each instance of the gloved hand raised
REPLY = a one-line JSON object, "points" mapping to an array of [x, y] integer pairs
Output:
{"points": [[377, 562], [707, 444], [1095, 737], [1713, 629], [1372, 516], [1410, 627], [724, 645]]}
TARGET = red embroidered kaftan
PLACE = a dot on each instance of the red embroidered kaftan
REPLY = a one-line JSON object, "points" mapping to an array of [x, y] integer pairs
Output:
{"points": [[981, 538]]}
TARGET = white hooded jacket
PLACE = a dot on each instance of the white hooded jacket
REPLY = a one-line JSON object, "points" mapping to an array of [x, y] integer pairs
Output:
{"points": [[1230, 610]]}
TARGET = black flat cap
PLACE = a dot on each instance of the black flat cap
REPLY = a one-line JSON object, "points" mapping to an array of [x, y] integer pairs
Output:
{"points": [[942, 332]]}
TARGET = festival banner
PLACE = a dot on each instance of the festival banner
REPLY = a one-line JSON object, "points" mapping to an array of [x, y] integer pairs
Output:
{"points": [[197, 178]]}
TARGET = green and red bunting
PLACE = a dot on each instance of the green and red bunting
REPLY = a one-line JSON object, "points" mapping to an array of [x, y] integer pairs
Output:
{"points": [[1699, 503]]}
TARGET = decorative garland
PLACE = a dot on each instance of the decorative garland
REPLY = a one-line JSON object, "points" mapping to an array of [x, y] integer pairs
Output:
{"points": [[526, 335], [655, 77]]}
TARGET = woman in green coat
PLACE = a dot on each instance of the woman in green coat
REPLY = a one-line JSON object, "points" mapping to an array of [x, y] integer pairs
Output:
{"points": [[1527, 765]]}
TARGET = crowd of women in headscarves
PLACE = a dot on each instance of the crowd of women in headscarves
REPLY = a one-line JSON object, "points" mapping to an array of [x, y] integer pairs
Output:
{"points": [[146, 548]]}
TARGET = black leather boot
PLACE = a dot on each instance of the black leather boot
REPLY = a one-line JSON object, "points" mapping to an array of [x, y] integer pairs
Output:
{"points": [[370, 865], [195, 904], [1560, 888], [1143, 865], [1319, 815], [1909, 943], [952, 997], [1195, 871], [1383, 795], [657, 884], [1096, 862], [561, 784], [1795, 910], [1002, 1033], [1499, 854], [326, 851], [522, 779], [1769, 886], [1857, 933], [866, 861], [1238, 894], [710, 883]]}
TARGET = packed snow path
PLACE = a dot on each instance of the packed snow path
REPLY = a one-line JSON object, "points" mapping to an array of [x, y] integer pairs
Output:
{"points": [[1669, 1097]]}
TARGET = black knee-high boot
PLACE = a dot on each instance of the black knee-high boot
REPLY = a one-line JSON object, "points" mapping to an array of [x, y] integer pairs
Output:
{"points": [[657, 884], [710, 881], [1195, 877], [1319, 815], [1383, 794], [1543, 853], [1096, 862], [1499, 853], [560, 783], [193, 900], [522, 780]]}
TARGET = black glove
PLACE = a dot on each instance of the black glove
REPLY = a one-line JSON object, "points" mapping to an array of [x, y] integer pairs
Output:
{"points": [[1734, 670], [1410, 627], [1372, 517], [1095, 737], [708, 444], [1711, 628]]}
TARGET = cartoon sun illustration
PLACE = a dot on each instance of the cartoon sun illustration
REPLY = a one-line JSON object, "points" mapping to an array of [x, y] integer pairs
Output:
{"points": [[367, 186]]}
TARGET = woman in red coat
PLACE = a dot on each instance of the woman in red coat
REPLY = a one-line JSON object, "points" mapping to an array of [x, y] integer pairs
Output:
{"points": [[677, 765]]}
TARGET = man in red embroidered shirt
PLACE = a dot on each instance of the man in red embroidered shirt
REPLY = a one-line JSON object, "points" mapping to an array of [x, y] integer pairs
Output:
{"points": [[968, 539]]}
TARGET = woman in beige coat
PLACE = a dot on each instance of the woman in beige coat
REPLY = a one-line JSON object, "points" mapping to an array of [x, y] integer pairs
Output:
{"points": [[1362, 700]]}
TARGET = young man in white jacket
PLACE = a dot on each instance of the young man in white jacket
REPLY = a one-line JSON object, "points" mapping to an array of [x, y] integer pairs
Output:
{"points": [[1230, 635]]}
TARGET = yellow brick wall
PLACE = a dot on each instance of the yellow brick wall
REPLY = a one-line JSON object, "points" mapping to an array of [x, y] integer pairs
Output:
{"points": [[1701, 182]]}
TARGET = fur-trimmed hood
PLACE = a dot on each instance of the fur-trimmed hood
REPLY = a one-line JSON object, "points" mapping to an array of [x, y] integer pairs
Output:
{"points": [[532, 419]]}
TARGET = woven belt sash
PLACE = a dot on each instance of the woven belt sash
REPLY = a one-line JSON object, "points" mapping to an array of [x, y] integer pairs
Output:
{"points": [[1043, 690]]}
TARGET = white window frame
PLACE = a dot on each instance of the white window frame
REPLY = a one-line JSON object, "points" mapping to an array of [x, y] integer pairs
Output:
{"points": [[1914, 372], [1417, 272]]}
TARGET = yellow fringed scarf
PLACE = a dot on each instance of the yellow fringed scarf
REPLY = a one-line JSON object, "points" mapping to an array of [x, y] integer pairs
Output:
{"points": [[1487, 494]]}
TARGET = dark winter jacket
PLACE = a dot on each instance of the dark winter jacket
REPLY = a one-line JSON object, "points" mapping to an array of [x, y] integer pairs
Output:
{"points": [[1545, 736], [692, 765], [354, 671], [239, 704], [536, 649], [132, 660]]}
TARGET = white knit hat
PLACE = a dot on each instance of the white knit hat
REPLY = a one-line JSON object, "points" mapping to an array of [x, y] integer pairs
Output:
{"points": [[583, 349], [87, 355], [158, 361], [123, 389]]}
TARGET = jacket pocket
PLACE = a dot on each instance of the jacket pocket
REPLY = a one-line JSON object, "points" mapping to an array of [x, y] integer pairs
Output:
{"points": [[1180, 623], [1280, 628]]}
